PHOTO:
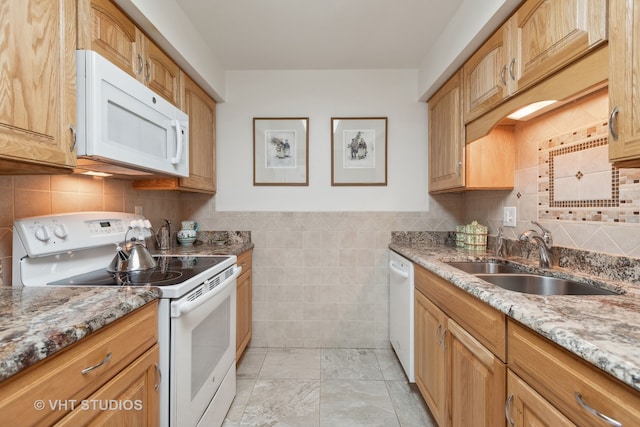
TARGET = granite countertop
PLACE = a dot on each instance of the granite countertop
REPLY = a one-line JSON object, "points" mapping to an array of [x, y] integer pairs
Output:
{"points": [[36, 322], [603, 330]]}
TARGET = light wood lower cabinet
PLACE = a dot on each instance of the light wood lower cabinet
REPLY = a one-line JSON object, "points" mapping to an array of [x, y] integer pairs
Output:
{"points": [[477, 377], [571, 385], [430, 366], [462, 381], [129, 399], [525, 407], [243, 302], [119, 363]]}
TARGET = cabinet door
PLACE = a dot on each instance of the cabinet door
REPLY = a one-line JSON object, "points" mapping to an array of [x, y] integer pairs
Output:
{"points": [[201, 109], [486, 77], [446, 137], [37, 86], [549, 34], [202, 144], [131, 398], [430, 365], [624, 82], [243, 315], [525, 407], [477, 381], [105, 29], [161, 74]]}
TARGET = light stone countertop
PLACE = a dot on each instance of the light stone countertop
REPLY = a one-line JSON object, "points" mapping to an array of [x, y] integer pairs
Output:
{"points": [[37, 322], [603, 330]]}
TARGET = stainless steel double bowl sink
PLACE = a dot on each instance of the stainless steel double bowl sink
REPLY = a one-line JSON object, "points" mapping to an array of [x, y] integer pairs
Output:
{"points": [[514, 279]]}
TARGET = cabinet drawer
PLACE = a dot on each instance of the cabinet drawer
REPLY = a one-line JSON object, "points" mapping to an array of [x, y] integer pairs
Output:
{"points": [[59, 379], [244, 260], [485, 323], [557, 375]]}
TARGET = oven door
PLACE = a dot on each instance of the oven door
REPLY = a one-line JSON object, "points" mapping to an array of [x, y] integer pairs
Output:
{"points": [[203, 346]]}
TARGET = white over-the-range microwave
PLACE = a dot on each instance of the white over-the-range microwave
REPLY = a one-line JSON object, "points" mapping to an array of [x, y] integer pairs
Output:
{"points": [[124, 128]]}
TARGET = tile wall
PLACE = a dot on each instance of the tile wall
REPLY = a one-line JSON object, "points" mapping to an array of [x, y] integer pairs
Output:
{"points": [[320, 279], [32, 195]]}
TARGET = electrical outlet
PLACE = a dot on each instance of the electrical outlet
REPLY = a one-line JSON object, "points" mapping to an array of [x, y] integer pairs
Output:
{"points": [[509, 217]]}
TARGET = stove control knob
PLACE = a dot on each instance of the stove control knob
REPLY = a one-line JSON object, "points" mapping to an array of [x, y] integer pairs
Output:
{"points": [[42, 234], [61, 231]]}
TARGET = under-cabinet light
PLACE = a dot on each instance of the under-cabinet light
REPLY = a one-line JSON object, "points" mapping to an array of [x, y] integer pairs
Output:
{"points": [[530, 109], [100, 174]]}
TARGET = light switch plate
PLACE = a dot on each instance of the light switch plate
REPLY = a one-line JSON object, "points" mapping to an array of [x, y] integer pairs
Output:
{"points": [[509, 217]]}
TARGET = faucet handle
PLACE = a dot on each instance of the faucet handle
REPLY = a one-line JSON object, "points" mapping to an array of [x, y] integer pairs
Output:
{"points": [[546, 233]]}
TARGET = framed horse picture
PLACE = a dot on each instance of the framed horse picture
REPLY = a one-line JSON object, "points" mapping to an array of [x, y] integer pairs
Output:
{"points": [[281, 151], [358, 151]]}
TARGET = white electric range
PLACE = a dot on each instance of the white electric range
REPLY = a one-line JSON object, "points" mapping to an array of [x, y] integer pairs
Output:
{"points": [[197, 309]]}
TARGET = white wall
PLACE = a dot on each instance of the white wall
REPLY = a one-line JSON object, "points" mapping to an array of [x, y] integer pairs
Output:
{"points": [[321, 95]]}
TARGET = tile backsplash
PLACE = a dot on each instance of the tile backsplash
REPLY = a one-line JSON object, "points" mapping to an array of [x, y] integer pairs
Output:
{"points": [[564, 180], [33, 195]]}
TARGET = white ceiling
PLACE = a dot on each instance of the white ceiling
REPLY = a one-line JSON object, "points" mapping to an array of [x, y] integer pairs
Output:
{"points": [[319, 34]]}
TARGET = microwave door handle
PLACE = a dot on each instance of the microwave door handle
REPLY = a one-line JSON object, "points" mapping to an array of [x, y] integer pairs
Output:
{"points": [[180, 142], [179, 308]]}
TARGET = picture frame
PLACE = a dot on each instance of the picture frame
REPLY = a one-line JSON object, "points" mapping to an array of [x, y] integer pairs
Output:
{"points": [[358, 151], [281, 151]]}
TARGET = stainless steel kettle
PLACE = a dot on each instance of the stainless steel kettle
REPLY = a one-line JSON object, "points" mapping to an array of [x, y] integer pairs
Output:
{"points": [[134, 256]]}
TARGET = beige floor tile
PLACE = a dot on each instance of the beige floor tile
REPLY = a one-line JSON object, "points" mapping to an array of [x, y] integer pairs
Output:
{"points": [[354, 403], [276, 403], [350, 364], [409, 405], [291, 363]]}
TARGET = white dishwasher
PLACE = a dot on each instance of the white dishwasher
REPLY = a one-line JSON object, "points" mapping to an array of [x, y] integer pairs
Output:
{"points": [[401, 288]]}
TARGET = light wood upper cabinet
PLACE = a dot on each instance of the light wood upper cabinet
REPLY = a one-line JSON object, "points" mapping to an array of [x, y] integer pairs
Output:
{"points": [[549, 34], [446, 137], [37, 87], [456, 166], [201, 109], [540, 38], [486, 76], [104, 28], [624, 83]]}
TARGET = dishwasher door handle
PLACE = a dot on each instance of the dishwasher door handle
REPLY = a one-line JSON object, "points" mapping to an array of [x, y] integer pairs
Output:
{"points": [[396, 270]]}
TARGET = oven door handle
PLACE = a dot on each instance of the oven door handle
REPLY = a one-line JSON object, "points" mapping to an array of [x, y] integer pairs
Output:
{"points": [[179, 308]]}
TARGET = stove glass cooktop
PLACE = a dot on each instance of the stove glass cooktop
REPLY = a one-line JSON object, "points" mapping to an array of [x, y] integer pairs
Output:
{"points": [[170, 271]]}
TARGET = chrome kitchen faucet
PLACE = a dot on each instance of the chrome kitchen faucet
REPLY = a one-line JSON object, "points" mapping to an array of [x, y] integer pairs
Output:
{"points": [[544, 242]]}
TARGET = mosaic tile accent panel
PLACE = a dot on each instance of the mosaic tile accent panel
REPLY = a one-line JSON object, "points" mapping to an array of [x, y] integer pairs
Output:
{"points": [[575, 184]]}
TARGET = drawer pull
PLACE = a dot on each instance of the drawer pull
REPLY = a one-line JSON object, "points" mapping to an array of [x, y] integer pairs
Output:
{"points": [[596, 413], [507, 409], [106, 360]]}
